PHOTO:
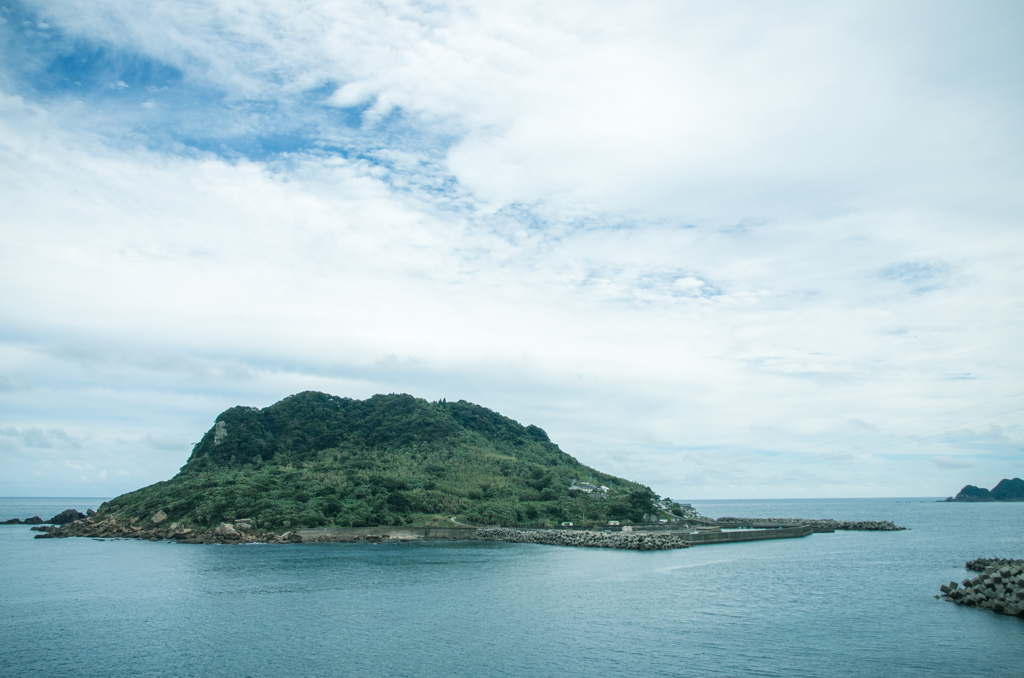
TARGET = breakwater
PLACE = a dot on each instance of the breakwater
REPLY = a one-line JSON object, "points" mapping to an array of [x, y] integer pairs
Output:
{"points": [[635, 541], [791, 532], [999, 586], [980, 564], [639, 541], [819, 525]]}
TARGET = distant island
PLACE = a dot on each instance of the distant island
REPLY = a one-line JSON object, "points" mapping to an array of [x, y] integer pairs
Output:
{"points": [[1006, 490], [318, 460]]}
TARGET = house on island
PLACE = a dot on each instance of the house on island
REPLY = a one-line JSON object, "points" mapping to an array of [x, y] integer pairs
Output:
{"points": [[589, 488], [687, 511]]}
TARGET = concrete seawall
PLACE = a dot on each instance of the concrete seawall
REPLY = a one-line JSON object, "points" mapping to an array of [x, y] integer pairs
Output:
{"points": [[750, 535], [386, 532]]}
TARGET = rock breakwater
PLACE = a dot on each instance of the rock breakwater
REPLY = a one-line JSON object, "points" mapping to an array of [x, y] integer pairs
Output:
{"points": [[980, 564], [616, 540], [819, 524], [999, 586]]}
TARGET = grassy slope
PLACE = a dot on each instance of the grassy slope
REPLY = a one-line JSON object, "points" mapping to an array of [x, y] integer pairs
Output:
{"points": [[313, 459]]}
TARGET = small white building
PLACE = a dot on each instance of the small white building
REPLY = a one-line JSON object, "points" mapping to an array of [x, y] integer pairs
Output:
{"points": [[687, 511]]}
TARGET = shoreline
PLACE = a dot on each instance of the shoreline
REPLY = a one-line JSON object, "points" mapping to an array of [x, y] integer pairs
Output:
{"points": [[644, 538]]}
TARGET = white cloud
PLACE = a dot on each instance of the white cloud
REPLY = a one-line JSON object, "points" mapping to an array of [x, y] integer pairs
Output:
{"points": [[947, 461], [352, 94], [38, 438], [686, 241]]}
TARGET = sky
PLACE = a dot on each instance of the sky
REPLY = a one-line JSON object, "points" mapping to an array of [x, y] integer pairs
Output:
{"points": [[728, 250]]}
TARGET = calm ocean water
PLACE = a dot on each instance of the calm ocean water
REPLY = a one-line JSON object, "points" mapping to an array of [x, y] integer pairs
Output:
{"points": [[844, 604]]}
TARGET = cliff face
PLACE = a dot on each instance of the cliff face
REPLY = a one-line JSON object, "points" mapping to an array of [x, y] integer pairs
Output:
{"points": [[315, 459], [1006, 490]]}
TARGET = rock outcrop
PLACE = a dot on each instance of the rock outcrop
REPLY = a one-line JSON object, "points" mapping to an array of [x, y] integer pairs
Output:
{"points": [[61, 518], [111, 527], [68, 516], [999, 587], [635, 541]]}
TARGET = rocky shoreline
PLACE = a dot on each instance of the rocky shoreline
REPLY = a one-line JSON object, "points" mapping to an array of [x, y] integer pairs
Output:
{"points": [[158, 528], [225, 533], [635, 541], [999, 587], [111, 527]]}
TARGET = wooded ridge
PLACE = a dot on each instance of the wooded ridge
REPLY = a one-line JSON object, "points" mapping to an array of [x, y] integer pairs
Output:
{"points": [[315, 459]]}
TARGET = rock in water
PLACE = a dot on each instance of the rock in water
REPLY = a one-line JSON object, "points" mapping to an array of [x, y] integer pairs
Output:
{"points": [[68, 516]]}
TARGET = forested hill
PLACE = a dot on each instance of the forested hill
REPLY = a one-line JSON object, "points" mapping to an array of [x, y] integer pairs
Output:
{"points": [[1006, 490], [315, 459]]}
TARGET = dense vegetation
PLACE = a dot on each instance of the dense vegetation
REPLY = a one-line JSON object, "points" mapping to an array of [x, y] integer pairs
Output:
{"points": [[1006, 490], [314, 459]]}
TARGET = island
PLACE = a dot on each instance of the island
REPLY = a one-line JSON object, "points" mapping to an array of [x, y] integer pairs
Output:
{"points": [[1006, 490], [318, 460], [316, 467]]}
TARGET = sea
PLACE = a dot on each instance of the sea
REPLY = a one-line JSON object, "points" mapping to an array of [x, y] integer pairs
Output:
{"points": [[842, 604]]}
